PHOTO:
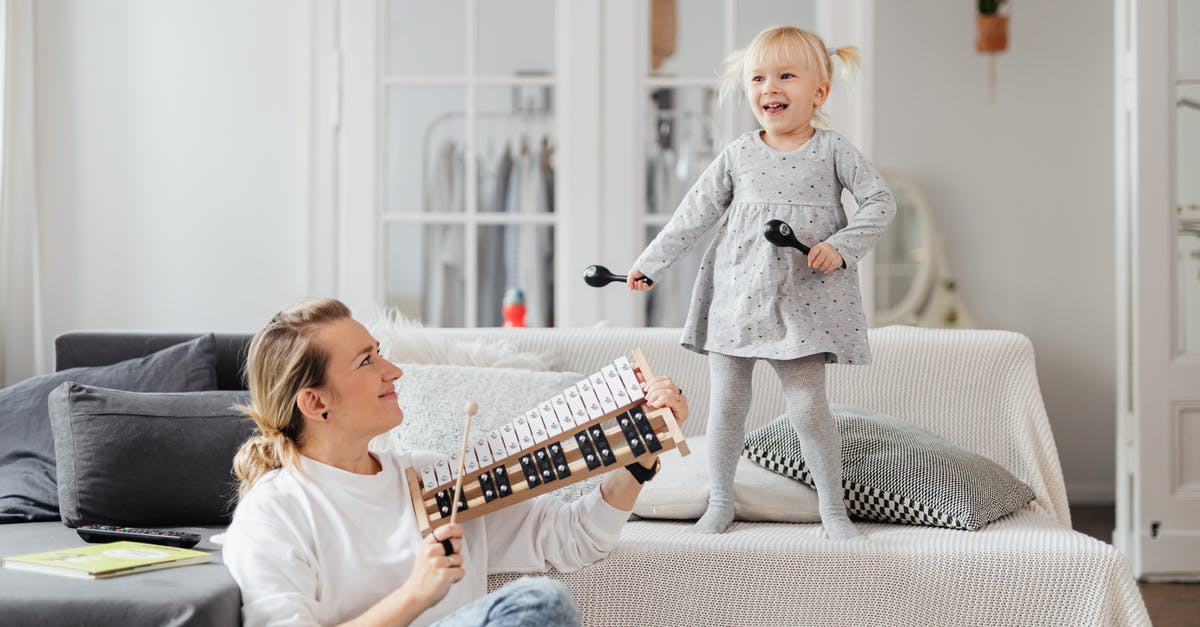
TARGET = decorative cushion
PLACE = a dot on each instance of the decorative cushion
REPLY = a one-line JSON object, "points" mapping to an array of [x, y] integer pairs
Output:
{"points": [[680, 491], [27, 475], [146, 459], [894, 471], [433, 396]]}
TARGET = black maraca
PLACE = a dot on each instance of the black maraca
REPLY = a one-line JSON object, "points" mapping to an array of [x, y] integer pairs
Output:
{"points": [[780, 233], [599, 276]]}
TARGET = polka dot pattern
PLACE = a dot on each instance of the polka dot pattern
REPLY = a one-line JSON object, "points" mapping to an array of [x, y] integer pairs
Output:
{"points": [[754, 299]]}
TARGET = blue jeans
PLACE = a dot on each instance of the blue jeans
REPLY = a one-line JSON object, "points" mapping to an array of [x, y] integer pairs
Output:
{"points": [[527, 601]]}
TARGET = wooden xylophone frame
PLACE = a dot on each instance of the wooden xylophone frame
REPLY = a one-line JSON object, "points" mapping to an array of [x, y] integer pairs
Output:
{"points": [[665, 429]]}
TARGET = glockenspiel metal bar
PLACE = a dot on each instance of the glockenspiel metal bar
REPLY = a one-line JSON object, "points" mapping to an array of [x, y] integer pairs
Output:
{"points": [[519, 436], [543, 461], [507, 461], [573, 456], [479, 505]]}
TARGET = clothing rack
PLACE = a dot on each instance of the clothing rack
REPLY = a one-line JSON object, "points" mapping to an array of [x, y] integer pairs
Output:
{"points": [[531, 122], [427, 136], [524, 106]]}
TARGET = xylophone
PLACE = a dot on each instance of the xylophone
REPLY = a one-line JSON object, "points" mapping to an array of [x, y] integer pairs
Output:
{"points": [[599, 424]]}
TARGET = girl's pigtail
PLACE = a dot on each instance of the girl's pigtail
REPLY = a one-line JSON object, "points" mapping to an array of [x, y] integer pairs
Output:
{"points": [[845, 61], [731, 75]]}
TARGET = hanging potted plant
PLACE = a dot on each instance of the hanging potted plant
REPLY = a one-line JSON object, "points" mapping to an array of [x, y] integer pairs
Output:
{"points": [[991, 27]]}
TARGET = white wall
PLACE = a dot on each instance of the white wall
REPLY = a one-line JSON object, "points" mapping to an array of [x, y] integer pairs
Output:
{"points": [[1021, 189], [173, 161]]}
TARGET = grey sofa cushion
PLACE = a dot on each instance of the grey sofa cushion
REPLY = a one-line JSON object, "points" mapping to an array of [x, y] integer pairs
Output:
{"points": [[894, 471], [149, 459], [27, 475]]}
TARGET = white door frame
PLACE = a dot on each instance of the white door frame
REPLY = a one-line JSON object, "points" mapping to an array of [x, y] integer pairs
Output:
{"points": [[1158, 476], [580, 238], [359, 238]]}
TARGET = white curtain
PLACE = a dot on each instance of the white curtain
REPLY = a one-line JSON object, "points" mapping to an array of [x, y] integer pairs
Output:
{"points": [[22, 352]]}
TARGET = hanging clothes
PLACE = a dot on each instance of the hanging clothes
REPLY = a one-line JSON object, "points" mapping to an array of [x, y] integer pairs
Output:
{"points": [[526, 195], [493, 178], [513, 204], [546, 240], [444, 279], [517, 178], [533, 242]]}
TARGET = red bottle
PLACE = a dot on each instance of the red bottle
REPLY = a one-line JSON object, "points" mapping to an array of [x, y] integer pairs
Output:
{"points": [[513, 308]]}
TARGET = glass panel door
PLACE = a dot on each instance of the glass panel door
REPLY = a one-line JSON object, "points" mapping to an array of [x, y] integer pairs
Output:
{"points": [[468, 164], [1158, 428], [457, 117]]}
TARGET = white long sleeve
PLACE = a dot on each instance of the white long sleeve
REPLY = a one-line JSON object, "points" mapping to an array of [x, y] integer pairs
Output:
{"points": [[323, 546]]}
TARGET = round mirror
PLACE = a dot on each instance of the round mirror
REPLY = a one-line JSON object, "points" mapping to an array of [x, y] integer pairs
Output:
{"points": [[905, 263]]}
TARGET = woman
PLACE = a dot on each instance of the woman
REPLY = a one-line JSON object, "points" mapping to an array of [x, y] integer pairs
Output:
{"points": [[324, 533]]}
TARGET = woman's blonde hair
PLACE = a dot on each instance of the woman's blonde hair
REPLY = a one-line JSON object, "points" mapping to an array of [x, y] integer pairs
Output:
{"points": [[284, 359], [792, 43]]}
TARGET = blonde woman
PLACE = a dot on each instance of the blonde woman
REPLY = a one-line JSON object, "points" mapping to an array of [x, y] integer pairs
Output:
{"points": [[323, 532]]}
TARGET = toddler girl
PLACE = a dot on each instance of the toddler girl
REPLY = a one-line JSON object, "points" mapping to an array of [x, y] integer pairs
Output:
{"points": [[753, 300]]}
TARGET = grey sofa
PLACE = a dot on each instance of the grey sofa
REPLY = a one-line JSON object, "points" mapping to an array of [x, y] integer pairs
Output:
{"points": [[204, 594], [977, 389]]}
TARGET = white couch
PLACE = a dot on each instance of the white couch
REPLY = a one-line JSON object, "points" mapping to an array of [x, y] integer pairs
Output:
{"points": [[978, 389]]}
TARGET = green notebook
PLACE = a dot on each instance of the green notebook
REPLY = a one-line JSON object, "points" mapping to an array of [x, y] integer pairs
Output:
{"points": [[97, 561]]}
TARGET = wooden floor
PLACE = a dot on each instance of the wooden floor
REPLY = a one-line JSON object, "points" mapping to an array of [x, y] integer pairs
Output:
{"points": [[1169, 604]]}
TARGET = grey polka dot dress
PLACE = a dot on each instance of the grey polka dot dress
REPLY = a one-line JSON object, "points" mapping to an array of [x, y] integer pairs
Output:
{"points": [[754, 299]]}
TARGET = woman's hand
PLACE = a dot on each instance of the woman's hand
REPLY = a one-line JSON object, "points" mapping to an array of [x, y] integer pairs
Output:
{"points": [[635, 284], [620, 489], [434, 571], [432, 575], [825, 258], [661, 391]]}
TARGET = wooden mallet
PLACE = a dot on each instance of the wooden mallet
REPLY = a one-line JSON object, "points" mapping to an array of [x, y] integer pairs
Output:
{"points": [[471, 408]]}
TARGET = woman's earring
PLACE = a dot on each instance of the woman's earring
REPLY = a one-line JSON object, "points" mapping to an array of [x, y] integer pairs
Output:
{"points": [[324, 415]]}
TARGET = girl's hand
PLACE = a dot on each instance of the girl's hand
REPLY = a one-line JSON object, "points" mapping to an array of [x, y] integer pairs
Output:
{"points": [[825, 258], [662, 391], [434, 571], [635, 284]]}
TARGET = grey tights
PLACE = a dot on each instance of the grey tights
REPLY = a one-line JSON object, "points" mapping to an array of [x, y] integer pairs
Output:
{"points": [[807, 410]]}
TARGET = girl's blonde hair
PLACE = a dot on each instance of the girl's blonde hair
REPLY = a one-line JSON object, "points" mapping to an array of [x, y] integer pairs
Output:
{"points": [[792, 43], [284, 359]]}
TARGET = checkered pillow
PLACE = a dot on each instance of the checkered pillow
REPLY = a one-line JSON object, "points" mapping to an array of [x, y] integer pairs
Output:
{"points": [[894, 471]]}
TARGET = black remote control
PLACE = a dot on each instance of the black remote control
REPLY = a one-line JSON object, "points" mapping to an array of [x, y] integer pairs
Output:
{"points": [[113, 533]]}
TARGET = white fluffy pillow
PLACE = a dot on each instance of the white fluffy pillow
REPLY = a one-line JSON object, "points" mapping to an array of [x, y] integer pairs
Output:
{"points": [[680, 491], [432, 397], [402, 341]]}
